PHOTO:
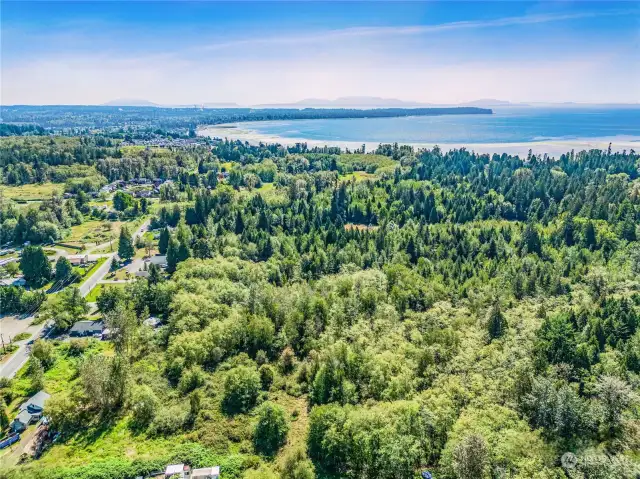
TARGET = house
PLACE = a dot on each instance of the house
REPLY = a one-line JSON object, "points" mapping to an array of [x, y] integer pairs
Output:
{"points": [[30, 411], [78, 259], [206, 473], [87, 328], [18, 281], [177, 470], [183, 471], [144, 193], [158, 260]]}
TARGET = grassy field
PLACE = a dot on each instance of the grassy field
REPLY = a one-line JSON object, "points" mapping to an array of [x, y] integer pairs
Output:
{"points": [[95, 293], [377, 161], [94, 232], [31, 192], [359, 176]]}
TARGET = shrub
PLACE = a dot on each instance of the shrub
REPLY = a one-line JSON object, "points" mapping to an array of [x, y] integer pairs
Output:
{"points": [[168, 421], [266, 376], [271, 430], [241, 388]]}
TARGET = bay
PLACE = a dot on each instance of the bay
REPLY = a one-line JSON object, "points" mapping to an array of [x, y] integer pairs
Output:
{"points": [[510, 129]]}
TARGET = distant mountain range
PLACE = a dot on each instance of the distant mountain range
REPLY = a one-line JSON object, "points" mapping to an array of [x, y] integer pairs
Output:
{"points": [[139, 102], [129, 102], [356, 102]]}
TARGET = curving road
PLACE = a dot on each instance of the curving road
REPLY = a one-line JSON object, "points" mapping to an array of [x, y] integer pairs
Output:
{"points": [[20, 357]]}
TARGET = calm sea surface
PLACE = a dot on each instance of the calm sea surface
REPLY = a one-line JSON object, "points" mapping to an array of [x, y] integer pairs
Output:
{"points": [[506, 125]]}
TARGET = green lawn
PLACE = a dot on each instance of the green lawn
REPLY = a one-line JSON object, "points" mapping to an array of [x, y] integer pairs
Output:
{"points": [[95, 293]]}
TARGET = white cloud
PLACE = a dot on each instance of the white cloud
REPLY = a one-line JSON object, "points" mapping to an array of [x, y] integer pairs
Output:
{"points": [[89, 80], [380, 61]]}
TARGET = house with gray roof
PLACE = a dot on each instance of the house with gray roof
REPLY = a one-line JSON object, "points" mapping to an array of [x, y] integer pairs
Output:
{"points": [[30, 411], [87, 328]]}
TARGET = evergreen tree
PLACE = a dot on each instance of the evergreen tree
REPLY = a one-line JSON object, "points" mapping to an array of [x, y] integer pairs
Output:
{"points": [[163, 241], [590, 235], [568, 231], [63, 269], [172, 255], [496, 324], [155, 275], [35, 266], [531, 239], [239, 228], [184, 252], [125, 245]]}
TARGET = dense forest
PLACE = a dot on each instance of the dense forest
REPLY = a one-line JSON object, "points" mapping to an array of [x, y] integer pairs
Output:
{"points": [[348, 315], [57, 117]]}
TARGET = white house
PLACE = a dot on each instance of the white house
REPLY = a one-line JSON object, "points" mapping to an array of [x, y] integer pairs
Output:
{"points": [[206, 473]]}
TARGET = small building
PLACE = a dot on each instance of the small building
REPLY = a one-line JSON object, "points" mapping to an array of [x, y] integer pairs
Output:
{"points": [[158, 260], [206, 473], [18, 281], [87, 328], [20, 423], [177, 470], [78, 259], [30, 411]]}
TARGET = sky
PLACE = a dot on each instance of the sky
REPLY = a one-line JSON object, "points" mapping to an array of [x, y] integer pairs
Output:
{"points": [[250, 53]]}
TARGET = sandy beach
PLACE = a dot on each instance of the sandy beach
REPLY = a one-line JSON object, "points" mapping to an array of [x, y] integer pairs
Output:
{"points": [[243, 132]]}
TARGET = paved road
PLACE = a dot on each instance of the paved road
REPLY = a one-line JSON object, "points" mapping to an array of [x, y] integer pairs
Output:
{"points": [[100, 273], [21, 356]]}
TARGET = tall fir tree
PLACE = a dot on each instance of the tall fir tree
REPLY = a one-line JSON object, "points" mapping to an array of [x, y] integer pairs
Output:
{"points": [[125, 244]]}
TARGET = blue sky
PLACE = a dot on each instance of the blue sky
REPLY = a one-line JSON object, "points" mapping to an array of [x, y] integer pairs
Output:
{"points": [[265, 52]]}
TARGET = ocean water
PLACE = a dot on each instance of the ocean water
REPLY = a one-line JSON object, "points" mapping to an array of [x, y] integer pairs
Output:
{"points": [[506, 125]]}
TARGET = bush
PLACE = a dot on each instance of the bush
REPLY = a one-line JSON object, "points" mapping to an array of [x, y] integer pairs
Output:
{"points": [[270, 433], [144, 405], [43, 351], [297, 466], [241, 388], [168, 421], [77, 347], [191, 379], [266, 376]]}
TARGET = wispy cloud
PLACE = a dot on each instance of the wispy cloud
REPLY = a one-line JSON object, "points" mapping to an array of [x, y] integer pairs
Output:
{"points": [[355, 32]]}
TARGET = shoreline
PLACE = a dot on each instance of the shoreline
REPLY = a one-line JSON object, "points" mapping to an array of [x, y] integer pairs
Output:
{"points": [[554, 148]]}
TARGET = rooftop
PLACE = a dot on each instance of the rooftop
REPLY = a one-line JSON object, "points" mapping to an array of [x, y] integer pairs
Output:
{"points": [[37, 400], [205, 472], [87, 327]]}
